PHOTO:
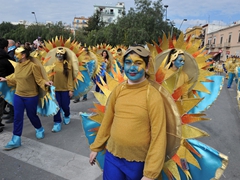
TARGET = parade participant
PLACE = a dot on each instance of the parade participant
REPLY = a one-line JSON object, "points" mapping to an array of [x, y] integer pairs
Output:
{"points": [[6, 69], [63, 81], [231, 66], [27, 80], [175, 61], [143, 154]]}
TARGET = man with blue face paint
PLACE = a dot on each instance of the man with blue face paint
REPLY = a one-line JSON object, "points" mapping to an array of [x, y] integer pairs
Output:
{"points": [[175, 61], [134, 125]]}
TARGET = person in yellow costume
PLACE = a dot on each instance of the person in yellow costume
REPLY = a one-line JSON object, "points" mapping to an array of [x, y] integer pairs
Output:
{"points": [[134, 125], [231, 66], [175, 61], [27, 80], [63, 81]]}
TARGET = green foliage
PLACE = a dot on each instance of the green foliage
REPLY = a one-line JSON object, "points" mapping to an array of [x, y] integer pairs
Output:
{"points": [[141, 24]]}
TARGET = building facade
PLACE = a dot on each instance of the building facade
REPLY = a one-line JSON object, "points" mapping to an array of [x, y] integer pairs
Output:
{"points": [[110, 14], [80, 22], [224, 41]]}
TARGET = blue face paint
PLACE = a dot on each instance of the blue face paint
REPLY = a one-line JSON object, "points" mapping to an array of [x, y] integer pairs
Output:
{"points": [[16, 59], [179, 62], [134, 68]]}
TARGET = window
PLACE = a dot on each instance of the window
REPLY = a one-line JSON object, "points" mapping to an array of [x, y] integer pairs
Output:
{"points": [[77, 21], [119, 11], [214, 40], [111, 11], [229, 38], [239, 37], [221, 40]]}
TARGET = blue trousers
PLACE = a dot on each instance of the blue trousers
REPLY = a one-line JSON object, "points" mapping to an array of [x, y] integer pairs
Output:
{"points": [[121, 169], [63, 100], [230, 78], [30, 104]]}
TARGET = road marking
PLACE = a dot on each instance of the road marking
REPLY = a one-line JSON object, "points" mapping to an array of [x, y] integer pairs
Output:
{"points": [[57, 161]]}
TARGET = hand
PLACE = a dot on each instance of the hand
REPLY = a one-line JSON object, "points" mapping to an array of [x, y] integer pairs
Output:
{"points": [[49, 83], [145, 178], [2, 79], [70, 94], [92, 158]]}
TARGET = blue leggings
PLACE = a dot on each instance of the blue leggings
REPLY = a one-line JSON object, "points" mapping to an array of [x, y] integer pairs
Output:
{"points": [[121, 169], [63, 100], [230, 78], [30, 104]]}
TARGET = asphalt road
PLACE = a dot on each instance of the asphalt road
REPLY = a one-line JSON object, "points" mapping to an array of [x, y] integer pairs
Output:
{"points": [[64, 155]]}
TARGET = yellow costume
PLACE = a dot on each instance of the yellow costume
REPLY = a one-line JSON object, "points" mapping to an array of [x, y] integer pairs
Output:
{"points": [[28, 78], [127, 136], [61, 82]]}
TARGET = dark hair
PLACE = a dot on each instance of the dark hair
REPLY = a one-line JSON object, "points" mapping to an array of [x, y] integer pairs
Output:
{"points": [[172, 51], [119, 50], [26, 52], [65, 65], [86, 50], [107, 57], [3, 43]]}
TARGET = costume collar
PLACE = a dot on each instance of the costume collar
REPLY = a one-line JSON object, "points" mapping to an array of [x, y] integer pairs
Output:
{"points": [[139, 85]]}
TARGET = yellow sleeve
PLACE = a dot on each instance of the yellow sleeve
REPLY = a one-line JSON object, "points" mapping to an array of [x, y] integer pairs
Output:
{"points": [[156, 153], [11, 82], [70, 79], [185, 95], [38, 77], [105, 128]]}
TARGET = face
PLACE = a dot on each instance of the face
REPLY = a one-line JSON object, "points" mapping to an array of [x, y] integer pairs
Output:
{"points": [[179, 62], [59, 56], [104, 54], [134, 67], [18, 57]]}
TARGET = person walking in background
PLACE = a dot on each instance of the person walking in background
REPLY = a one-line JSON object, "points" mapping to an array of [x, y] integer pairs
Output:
{"points": [[135, 109], [231, 66], [11, 52], [27, 79], [6, 69], [63, 81]]}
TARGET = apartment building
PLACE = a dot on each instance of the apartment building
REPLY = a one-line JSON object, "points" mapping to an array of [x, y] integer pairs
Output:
{"points": [[224, 41], [110, 14], [80, 22]]}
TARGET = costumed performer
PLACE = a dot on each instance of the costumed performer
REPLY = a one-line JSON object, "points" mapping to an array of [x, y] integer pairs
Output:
{"points": [[175, 61], [135, 110], [231, 66], [27, 80], [63, 81]]}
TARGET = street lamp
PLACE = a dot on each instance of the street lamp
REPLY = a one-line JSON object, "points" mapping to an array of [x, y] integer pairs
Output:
{"points": [[35, 16], [166, 6], [172, 24], [182, 23]]}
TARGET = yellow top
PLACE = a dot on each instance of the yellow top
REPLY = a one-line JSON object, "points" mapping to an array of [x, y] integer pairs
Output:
{"points": [[231, 67], [27, 79], [182, 79], [60, 81], [134, 126]]}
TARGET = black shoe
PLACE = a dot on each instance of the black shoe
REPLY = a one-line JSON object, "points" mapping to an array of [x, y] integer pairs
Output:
{"points": [[9, 121], [7, 116], [1, 124], [84, 99], [76, 100], [1, 129]]}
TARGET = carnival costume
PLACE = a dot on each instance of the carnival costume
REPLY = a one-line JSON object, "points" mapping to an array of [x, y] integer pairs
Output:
{"points": [[186, 157], [231, 65], [27, 79], [79, 73]]}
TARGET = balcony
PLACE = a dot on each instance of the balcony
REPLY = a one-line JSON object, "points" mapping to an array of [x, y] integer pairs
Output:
{"points": [[207, 46], [213, 46], [227, 45], [219, 45]]}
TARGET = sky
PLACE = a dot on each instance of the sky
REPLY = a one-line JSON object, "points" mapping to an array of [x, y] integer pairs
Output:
{"points": [[197, 12]]}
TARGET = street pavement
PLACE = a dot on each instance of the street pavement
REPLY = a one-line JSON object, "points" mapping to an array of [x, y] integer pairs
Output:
{"points": [[64, 155]]}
